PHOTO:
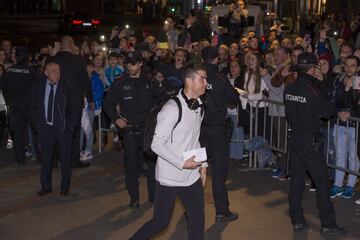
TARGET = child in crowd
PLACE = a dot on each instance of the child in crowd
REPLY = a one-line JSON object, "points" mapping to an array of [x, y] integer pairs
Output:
{"points": [[114, 71]]}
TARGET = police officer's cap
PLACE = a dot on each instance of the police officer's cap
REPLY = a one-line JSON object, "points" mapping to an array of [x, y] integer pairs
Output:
{"points": [[133, 58], [21, 52], [113, 54], [209, 53], [123, 54], [305, 59]]}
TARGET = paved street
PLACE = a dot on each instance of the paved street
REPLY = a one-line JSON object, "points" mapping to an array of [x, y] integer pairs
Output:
{"points": [[98, 208]]}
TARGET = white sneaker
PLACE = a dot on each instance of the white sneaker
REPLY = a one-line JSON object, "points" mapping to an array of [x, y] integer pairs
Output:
{"points": [[358, 201], [86, 156], [9, 144], [28, 152]]}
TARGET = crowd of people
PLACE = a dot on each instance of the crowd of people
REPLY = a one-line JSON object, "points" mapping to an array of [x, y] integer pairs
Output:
{"points": [[49, 101]]}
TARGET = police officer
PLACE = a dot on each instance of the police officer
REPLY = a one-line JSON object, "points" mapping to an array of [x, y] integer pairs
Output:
{"points": [[219, 95], [304, 106], [16, 84], [135, 98]]}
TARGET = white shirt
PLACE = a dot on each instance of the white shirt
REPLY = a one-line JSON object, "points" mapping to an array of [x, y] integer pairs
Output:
{"points": [[169, 167]]}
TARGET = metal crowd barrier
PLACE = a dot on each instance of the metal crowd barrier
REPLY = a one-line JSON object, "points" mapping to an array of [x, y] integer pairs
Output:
{"points": [[102, 130], [272, 129], [277, 136]]}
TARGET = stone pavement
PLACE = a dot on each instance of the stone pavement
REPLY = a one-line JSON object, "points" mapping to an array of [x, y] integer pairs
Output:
{"points": [[98, 207]]}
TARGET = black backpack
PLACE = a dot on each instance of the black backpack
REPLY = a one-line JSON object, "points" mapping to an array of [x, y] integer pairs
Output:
{"points": [[152, 121]]}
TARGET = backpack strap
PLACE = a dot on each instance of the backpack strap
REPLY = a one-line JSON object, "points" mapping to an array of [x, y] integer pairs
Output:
{"points": [[178, 103]]}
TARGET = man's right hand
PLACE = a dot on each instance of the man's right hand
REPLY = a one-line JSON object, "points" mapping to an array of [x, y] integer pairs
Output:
{"points": [[121, 123], [285, 71], [114, 32], [191, 164]]}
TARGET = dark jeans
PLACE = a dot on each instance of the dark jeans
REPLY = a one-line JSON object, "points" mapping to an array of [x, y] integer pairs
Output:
{"points": [[192, 198], [19, 120], [75, 148], [134, 161], [217, 147], [3, 125], [303, 159], [63, 139], [279, 139]]}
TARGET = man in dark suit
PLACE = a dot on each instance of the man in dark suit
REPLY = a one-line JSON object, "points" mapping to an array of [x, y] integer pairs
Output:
{"points": [[54, 117], [77, 82]]}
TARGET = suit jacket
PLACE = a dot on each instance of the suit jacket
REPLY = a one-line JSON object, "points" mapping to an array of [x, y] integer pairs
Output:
{"points": [[66, 110], [74, 75]]}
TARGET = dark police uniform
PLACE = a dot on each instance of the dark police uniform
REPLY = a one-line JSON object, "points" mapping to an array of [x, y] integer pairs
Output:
{"points": [[304, 106], [218, 96], [135, 98], [16, 84]]}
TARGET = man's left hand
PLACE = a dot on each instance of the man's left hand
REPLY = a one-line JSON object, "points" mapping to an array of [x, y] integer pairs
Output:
{"points": [[263, 72]]}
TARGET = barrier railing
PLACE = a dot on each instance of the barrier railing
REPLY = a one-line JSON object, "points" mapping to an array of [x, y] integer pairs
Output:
{"points": [[275, 130]]}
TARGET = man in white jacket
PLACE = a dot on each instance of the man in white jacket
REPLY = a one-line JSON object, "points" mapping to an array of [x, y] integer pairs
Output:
{"points": [[178, 177]]}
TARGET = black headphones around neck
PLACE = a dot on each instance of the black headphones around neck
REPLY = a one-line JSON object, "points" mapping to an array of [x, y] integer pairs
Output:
{"points": [[192, 103]]}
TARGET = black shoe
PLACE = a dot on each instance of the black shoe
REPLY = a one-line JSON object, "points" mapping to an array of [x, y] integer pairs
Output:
{"points": [[226, 217], [43, 193], [64, 193], [300, 226], [332, 231], [134, 204], [81, 165]]}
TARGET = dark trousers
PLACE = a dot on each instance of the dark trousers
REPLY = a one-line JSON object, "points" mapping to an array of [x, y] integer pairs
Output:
{"points": [[279, 138], [192, 198], [3, 125], [134, 161], [217, 147], [75, 147], [303, 159], [63, 140], [19, 120], [35, 146]]}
